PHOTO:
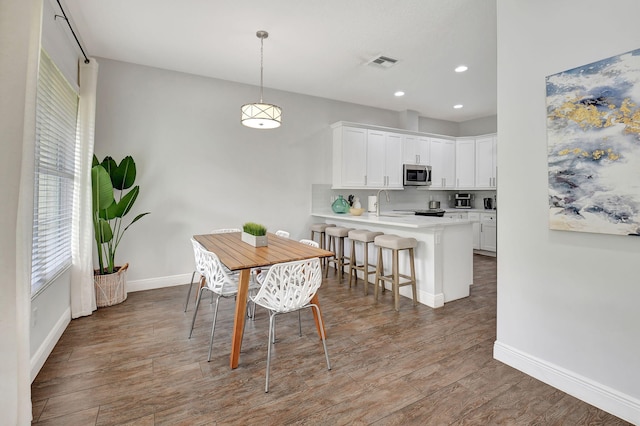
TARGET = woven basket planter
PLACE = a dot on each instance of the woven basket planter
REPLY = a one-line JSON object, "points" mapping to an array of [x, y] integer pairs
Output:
{"points": [[111, 289]]}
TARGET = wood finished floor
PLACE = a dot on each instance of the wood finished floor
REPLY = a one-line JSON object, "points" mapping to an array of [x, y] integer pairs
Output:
{"points": [[133, 364]]}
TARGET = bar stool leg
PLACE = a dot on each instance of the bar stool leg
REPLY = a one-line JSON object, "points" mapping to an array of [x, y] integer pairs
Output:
{"points": [[340, 248], [365, 269], [379, 273], [326, 269], [396, 281], [352, 265], [413, 277]]}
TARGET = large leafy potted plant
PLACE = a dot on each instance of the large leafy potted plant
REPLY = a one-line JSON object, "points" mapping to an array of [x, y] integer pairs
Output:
{"points": [[109, 181]]}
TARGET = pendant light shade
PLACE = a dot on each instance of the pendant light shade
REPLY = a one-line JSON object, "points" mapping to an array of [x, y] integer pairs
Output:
{"points": [[260, 115]]}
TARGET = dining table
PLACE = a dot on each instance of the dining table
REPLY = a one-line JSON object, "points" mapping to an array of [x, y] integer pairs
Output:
{"points": [[237, 255]]}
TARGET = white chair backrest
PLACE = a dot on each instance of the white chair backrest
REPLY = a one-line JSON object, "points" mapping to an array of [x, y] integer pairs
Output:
{"points": [[225, 230], [198, 256], [290, 286], [281, 233], [212, 270], [310, 243]]}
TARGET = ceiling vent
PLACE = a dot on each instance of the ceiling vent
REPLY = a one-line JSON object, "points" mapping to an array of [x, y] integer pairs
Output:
{"points": [[382, 62]]}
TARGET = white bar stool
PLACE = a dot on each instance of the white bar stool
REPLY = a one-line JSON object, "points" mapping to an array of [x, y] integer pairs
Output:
{"points": [[336, 235], [365, 237], [395, 244]]}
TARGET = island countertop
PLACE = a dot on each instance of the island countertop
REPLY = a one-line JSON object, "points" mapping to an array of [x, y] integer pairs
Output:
{"points": [[394, 218], [443, 255]]}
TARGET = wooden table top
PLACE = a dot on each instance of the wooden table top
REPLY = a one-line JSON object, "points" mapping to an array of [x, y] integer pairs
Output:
{"points": [[236, 254]]}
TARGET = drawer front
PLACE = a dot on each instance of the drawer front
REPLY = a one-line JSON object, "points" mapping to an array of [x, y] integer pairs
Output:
{"points": [[488, 217]]}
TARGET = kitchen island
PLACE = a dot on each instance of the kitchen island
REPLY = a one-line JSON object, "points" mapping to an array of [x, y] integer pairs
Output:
{"points": [[443, 257]]}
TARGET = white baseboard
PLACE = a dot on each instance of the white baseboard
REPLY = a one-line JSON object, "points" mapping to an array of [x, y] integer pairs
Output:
{"points": [[159, 282], [583, 388], [38, 359]]}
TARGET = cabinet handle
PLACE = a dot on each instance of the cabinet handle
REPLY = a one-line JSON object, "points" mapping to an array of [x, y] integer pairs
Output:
{"points": [[365, 179], [417, 158], [458, 182]]}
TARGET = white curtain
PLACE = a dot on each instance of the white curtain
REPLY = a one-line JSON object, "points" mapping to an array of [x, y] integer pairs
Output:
{"points": [[83, 299], [20, 47]]}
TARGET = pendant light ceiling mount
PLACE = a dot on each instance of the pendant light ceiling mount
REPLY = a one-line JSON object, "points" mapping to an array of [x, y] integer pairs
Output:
{"points": [[260, 115]]}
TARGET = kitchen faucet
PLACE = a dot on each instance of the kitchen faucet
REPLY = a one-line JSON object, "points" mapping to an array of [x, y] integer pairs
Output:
{"points": [[378, 200]]}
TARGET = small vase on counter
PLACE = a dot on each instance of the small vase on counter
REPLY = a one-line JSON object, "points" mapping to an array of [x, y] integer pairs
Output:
{"points": [[340, 205]]}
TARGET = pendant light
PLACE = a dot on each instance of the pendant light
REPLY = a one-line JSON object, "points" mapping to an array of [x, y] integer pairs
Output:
{"points": [[260, 115]]}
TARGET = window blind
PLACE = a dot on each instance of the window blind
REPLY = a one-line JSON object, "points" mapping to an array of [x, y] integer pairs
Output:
{"points": [[56, 118]]}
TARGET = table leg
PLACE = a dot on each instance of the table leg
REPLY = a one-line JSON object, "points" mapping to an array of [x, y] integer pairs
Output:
{"points": [[241, 311], [316, 302]]}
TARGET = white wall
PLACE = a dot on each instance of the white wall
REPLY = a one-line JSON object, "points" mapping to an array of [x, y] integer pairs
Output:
{"points": [[567, 302], [479, 126], [200, 169]]}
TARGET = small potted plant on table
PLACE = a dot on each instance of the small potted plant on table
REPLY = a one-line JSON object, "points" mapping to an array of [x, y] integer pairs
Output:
{"points": [[254, 234]]}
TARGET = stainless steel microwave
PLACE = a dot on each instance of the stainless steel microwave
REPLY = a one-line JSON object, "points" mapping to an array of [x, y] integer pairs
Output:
{"points": [[416, 175]]}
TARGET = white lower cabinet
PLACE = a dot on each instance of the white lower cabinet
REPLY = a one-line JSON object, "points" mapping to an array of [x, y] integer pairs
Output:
{"points": [[488, 235], [457, 215], [474, 218]]}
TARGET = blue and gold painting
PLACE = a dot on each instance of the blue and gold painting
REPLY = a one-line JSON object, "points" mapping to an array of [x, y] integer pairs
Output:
{"points": [[593, 135]]}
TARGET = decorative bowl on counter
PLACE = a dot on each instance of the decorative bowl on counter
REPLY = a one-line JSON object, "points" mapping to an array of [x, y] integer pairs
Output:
{"points": [[356, 212]]}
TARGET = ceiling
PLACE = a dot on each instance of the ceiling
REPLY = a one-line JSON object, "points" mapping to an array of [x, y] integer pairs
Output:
{"points": [[317, 48]]}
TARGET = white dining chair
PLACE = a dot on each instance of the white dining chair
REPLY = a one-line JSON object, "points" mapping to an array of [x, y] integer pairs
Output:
{"points": [[259, 273], [310, 243], [197, 270], [281, 233], [289, 287], [262, 274], [218, 282]]}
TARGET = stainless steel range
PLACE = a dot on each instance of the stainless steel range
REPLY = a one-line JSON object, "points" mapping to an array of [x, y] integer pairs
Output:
{"points": [[430, 212]]}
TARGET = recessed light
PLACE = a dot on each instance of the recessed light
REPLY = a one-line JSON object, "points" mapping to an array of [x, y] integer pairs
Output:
{"points": [[461, 68], [399, 93], [458, 106]]}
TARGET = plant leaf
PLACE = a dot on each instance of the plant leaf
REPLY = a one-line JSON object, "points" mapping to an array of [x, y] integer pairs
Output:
{"points": [[135, 220], [119, 209], [101, 189], [103, 231], [125, 174], [109, 165]]}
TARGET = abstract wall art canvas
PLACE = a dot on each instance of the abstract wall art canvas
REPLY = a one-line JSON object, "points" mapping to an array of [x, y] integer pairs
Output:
{"points": [[593, 136]]}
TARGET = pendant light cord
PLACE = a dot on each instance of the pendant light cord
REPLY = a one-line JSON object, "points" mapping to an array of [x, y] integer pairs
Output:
{"points": [[261, 60]]}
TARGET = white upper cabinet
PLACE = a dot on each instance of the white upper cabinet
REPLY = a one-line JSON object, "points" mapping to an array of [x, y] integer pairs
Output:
{"points": [[368, 156], [365, 158], [465, 163], [349, 157], [384, 159], [442, 153], [486, 161], [416, 150]]}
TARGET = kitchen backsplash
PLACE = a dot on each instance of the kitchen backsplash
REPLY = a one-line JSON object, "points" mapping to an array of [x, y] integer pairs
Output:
{"points": [[410, 198]]}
